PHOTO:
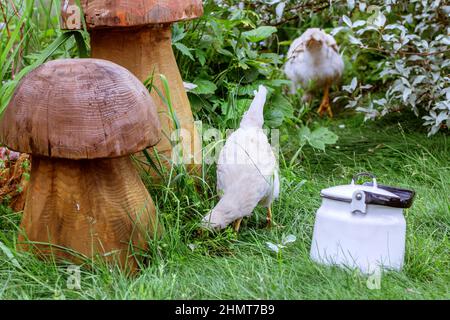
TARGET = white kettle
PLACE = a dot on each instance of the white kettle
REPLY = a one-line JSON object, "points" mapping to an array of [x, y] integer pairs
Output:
{"points": [[361, 226]]}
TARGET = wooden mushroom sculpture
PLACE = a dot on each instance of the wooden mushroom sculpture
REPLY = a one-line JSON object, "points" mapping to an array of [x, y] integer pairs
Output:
{"points": [[137, 35], [80, 119]]}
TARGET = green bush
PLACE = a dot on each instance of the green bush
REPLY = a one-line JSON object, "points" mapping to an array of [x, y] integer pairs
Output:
{"points": [[406, 44]]}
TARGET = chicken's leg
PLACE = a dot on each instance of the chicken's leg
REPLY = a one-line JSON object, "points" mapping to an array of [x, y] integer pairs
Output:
{"points": [[269, 217], [237, 224], [325, 104]]}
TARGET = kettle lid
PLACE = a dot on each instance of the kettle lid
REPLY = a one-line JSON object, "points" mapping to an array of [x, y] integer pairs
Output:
{"points": [[346, 192], [374, 193]]}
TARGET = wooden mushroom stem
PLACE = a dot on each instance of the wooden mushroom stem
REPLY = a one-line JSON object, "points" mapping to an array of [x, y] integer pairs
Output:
{"points": [[147, 51], [92, 207]]}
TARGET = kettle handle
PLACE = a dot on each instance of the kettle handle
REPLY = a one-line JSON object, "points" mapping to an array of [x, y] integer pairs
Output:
{"points": [[365, 174]]}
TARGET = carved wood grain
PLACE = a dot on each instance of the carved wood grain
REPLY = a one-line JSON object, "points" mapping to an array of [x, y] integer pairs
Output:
{"points": [[93, 207]]}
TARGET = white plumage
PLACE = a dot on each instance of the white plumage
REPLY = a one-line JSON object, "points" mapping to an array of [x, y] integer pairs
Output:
{"points": [[247, 171], [314, 62]]}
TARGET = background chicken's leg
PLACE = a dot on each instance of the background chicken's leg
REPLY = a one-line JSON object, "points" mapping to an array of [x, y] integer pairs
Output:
{"points": [[325, 104]]}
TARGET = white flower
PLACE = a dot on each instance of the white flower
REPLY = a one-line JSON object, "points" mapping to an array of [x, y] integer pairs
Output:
{"points": [[189, 86], [274, 247], [289, 239], [279, 10], [192, 246], [277, 247]]}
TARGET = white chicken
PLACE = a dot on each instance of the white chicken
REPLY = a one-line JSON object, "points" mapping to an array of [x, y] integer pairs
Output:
{"points": [[247, 171], [314, 62]]}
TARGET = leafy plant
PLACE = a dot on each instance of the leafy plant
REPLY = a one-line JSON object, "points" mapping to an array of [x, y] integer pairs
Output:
{"points": [[278, 247], [226, 55], [410, 43], [223, 55], [22, 48]]}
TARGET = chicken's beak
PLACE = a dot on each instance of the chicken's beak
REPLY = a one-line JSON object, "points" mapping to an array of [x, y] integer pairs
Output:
{"points": [[313, 42]]}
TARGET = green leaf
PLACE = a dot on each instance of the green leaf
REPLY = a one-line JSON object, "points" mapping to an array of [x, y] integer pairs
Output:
{"points": [[273, 58], [15, 36], [318, 138], [225, 52], [304, 133], [184, 50], [274, 118], [242, 105], [279, 82], [249, 88], [259, 33], [277, 110], [204, 87], [168, 101], [7, 90], [81, 45], [198, 103], [200, 56], [7, 252], [243, 65], [177, 33]]}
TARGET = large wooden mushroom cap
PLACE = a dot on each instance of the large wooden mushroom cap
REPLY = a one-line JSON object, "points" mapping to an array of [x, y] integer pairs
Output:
{"points": [[127, 13], [80, 109], [80, 119]]}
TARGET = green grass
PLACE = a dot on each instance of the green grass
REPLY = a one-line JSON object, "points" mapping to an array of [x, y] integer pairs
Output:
{"points": [[229, 266]]}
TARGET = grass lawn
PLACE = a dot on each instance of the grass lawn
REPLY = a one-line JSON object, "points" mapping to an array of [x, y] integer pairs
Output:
{"points": [[184, 265]]}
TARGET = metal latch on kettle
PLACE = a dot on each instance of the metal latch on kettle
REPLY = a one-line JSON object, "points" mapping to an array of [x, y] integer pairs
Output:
{"points": [[358, 204]]}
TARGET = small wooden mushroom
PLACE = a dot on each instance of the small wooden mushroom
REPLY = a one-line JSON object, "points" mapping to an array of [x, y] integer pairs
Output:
{"points": [[136, 34], [80, 119]]}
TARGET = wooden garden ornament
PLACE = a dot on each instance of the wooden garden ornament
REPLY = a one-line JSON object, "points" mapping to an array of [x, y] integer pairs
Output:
{"points": [[80, 119], [136, 34]]}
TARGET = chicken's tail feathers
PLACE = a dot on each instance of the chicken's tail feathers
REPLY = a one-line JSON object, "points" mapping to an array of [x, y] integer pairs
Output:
{"points": [[254, 116]]}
